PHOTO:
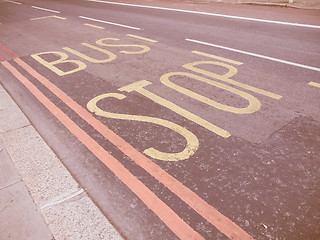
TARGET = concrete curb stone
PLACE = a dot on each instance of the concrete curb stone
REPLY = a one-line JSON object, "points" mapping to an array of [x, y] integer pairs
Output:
{"points": [[303, 4]]}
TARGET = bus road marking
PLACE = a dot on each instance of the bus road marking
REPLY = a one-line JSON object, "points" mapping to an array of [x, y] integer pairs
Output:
{"points": [[142, 38], [94, 26], [139, 87], [166, 214], [314, 84]]}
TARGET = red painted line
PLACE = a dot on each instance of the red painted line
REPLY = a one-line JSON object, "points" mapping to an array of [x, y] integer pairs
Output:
{"points": [[166, 214], [224, 224], [8, 52], [2, 58]]}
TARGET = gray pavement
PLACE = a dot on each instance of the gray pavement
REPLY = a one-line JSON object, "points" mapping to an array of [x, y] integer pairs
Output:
{"points": [[304, 4], [39, 199]]}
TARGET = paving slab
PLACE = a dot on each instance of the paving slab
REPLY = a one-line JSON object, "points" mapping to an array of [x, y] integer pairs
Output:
{"points": [[19, 217], [82, 220], [40, 169], [9, 174], [10, 114]]}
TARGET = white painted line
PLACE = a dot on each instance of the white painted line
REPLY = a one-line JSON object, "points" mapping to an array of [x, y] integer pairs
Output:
{"points": [[209, 14], [45, 9], [62, 200], [116, 24], [13, 2], [256, 55]]}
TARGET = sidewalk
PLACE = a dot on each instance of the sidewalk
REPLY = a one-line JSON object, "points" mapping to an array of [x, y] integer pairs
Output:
{"points": [[39, 199], [305, 4]]}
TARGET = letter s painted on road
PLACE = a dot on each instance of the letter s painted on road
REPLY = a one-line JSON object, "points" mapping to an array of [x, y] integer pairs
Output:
{"points": [[192, 141]]}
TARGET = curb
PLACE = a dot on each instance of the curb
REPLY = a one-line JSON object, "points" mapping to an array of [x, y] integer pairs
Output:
{"points": [[277, 5]]}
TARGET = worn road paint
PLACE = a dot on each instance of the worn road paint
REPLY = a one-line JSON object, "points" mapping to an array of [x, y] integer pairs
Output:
{"points": [[8, 52], [210, 14], [144, 48], [192, 141], [111, 23], [226, 77], [314, 84], [253, 106], [139, 88], [94, 26], [142, 38], [110, 55], [2, 58], [63, 59], [54, 16], [45, 9], [166, 214], [256, 55]]}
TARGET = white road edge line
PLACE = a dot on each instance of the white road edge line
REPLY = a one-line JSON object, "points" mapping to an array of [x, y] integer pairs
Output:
{"points": [[13, 2], [45, 9], [112, 23], [256, 55], [209, 14]]}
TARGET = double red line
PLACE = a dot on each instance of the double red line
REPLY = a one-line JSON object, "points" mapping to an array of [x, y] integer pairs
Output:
{"points": [[163, 211]]}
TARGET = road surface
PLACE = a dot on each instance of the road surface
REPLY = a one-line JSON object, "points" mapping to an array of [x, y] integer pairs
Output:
{"points": [[181, 121]]}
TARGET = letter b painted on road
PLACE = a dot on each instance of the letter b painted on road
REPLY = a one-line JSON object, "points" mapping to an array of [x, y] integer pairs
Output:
{"points": [[62, 60]]}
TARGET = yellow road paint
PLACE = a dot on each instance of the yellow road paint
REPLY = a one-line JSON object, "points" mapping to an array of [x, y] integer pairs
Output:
{"points": [[110, 58], [81, 65], [217, 57], [254, 103], [139, 87], [94, 26], [54, 16], [144, 48], [226, 77], [63, 57], [142, 38], [192, 141], [314, 84]]}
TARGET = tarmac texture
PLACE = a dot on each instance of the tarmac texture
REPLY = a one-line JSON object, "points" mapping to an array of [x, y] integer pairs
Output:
{"points": [[40, 198]]}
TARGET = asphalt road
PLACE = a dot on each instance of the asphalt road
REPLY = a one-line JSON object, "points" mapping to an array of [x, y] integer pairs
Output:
{"points": [[190, 121]]}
